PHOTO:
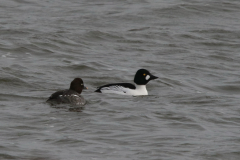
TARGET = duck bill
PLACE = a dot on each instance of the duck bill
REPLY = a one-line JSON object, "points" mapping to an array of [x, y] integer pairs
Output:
{"points": [[84, 87], [152, 77]]}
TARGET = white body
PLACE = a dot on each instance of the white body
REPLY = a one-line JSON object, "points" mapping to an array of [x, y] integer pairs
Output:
{"points": [[140, 90]]}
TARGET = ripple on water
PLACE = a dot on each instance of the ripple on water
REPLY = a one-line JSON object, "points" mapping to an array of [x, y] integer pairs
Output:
{"points": [[192, 111]]}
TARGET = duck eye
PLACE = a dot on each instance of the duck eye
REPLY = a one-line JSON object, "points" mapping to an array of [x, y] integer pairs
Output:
{"points": [[144, 74]]}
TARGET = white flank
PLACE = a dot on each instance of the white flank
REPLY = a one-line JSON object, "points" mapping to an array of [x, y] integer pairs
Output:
{"points": [[140, 90]]}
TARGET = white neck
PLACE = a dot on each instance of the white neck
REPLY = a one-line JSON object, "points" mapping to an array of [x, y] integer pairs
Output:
{"points": [[141, 90]]}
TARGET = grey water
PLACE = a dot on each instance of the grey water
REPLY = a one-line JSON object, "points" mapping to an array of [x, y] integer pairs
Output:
{"points": [[192, 111]]}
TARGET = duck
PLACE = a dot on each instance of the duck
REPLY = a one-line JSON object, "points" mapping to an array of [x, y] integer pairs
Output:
{"points": [[142, 77], [69, 96]]}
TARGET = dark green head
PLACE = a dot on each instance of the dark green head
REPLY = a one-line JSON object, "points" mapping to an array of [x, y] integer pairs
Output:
{"points": [[143, 76]]}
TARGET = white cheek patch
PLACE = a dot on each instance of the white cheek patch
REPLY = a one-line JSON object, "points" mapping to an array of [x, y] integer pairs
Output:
{"points": [[147, 77]]}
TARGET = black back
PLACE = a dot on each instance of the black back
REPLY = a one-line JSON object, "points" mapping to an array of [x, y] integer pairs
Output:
{"points": [[56, 95]]}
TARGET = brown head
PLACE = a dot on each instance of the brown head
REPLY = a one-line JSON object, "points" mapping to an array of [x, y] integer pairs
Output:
{"points": [[77, 85]]}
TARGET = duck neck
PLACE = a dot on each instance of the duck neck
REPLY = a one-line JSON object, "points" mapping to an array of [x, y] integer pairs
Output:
{"points": [[141, 89]]}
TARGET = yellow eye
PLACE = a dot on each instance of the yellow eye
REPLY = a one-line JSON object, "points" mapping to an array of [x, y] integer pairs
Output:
{"points": [[144, 74]]}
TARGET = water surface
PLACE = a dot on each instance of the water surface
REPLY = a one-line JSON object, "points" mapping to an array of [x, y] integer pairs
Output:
{"points": [[192, 111]]}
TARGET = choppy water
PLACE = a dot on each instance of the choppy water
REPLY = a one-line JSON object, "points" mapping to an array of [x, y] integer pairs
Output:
{"points": [[192, 111]]}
